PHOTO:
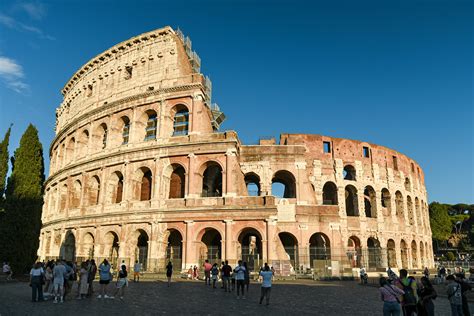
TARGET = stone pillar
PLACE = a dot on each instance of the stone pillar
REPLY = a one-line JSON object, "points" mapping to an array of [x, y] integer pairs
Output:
{"points": [[189, 251], [192, 191], [230, 164], [229, 254], [271, 231], [300, 177]]}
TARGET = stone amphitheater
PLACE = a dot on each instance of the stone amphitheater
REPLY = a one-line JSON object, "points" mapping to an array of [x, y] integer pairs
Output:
{"points": [[140, 171]]}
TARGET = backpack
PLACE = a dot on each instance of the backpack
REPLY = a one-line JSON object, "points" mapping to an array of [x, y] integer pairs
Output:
{"points": [[409, 297]]}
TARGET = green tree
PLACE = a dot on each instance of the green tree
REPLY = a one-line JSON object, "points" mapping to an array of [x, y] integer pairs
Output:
{"points": [[4, 165], [440, 221], [21, 223]]}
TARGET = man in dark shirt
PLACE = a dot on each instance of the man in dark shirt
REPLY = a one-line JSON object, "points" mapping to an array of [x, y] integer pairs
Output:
{"points": [[226, 270]]}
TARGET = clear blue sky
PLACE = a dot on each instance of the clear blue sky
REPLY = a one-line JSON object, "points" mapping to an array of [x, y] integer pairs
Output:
{"points": [[394, 73]]}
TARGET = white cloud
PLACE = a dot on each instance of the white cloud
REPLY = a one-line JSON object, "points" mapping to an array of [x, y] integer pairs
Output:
{"points": [[15, 25], [35, 10], [12, 74]]}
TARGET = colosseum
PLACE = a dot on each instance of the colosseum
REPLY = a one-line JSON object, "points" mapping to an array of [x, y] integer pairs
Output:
{"points": [[140, 171]]}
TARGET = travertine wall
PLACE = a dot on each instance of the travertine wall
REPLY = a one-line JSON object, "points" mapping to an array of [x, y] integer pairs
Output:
{"points": [[139, 173]]}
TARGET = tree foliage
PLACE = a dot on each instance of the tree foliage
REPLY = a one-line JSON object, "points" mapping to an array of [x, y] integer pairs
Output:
{"points": [[4, 165], [21, 223], [440, 222]]}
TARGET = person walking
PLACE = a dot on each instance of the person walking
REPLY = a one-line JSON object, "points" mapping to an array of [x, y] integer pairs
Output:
{"points": [[453, 290], [83, 281], [122, 282], [207, 272], [410, 298], [426, 295], [136, 271], [214, 274], [169, 272], [239, 272], [48, 278], [465, 287], [267, 275], [59, 275], [426, 272], [390, 296], [105, 276], [246, 277], [92, 270], [7, 270], [226, 270], [222, 275], [36, 282]]}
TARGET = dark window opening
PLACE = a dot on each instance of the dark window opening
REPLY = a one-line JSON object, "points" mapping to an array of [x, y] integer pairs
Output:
{"points": [[330, 194], [366, 152], [145, 192], [327, 147], [177, 182], [349, 173], [252, 182], [352, 208], [125, 130], [412, 167], [118, 196], [151, 126], [89, 90], [370, 202], [287, 184], [181, 123], [212, 181], [128, 72], [395, 163]]}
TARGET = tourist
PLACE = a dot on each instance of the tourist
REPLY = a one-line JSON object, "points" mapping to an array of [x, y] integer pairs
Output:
{"points": [[122, 282], [7, 270], [222, 275], [59, 275], [465, 287], [136, 271], [247, 277], [195, 273], [363, 276], [453, 290], [239, 272], [68, 279], [190, 273], [105, 276], [123, 265], [207, 272], [226, 269], [266, 288], [48, 279], [36, 282], [410, 298], [390, 296], [92, 270], [214, 274], [169, 272], [426, 294], [83, 281], [442, 274], [426, 272]]}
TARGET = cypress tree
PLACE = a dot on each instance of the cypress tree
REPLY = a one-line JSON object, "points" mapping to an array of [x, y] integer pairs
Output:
{"points": [[4, 165], [21, 223]]}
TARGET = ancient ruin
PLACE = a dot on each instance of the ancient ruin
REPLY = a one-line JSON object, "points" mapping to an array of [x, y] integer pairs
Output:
{"points": [[140, 171]]}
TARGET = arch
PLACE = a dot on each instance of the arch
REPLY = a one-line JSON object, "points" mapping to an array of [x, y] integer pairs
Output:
{"points": [[63, 193], [70, 150], [69, 247], [329, 193], [180, 115], [252, 182], [411, 218], [88, 245], [94, 190], [151, 125], [104, 132], [83, 143], [145, 184], [211, 245], [290, 245], [404, 253], [287, 179], [422, 255], [386, 202], [417, 212], [141, 250], [352, 203], [349, 173], [115, 185], [374, 253], [391, 253], [414, 254], [319, 248], [75, 197], [174, 249], [399, 205], [125, 126], [177, 182], [370, 202], [250, 241], [111, 247], [407, 184], [212, 179], [354, 251]]}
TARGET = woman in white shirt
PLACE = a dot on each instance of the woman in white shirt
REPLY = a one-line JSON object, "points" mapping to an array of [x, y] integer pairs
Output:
{"points": [[36, 282]]}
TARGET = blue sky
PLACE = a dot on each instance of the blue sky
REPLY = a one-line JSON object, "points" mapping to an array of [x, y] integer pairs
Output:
{"points": [[394, 73]]}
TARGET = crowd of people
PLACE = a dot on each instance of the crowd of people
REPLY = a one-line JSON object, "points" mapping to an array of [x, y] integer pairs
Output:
{"points": [[405, 294]]}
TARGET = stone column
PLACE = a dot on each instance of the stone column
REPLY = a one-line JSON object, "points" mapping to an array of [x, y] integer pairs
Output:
{"points": [[230, 156], [188, 251], [300, 166], [192, 192], [228, 255], [271, 231]]}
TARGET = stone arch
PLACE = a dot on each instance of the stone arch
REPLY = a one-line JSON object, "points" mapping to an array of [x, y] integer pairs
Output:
{"points": [[330, 193], [76, 194], [177, 181], [211, 179], [174, 248], [417, 212], [422, 255], [147, 125], [100, 137], [251, 247], [68, 247], [83, 143], [374, 253], [180, 114], [124, 128], [319, 248], [407, 184], [404, 254], [411, 217], [352, 204], [391, 253], [386, 202], [115, 186], [370, 202], [70, 150], [144, 186], [414, 254], [63, 194], [354, 251], [141, 240], [349, 173], [287, 179], [252, 183], [210, 245], [111, 247], [399, 207], [88, 245], [290, 246], [93, 190]]}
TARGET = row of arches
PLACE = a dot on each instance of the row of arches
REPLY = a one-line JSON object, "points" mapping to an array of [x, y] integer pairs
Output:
{"points": [[117, 133], [350, 173]]}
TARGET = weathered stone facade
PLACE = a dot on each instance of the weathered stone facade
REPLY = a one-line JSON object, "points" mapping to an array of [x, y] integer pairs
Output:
{"points": [[139, 171]]}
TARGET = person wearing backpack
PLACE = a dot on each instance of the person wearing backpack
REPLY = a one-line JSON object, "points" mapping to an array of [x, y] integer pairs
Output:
{"points": [[454, 296], [465, 287], [390, 297], [410, 298], [427, 294]]}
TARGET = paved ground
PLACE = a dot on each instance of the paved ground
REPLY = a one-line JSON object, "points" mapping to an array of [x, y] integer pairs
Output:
{"points": [[193, 297]]}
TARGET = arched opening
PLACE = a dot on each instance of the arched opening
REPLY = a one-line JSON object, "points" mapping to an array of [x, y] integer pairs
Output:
{"points": [[417, 212], [252, 182], [407, 184], [211, 246], [145, 184], [83, 144], [141, 251], [212, 180], [250, 242], [319, 251], [386, 202], [399, 207], [174, 250], [411, 217], [374, 253], [125, 130], [414, 255], [69, 247], [151, 125], [63, 197], [404, 254], [94, 190], [290, 245], [111, 247], [391, 253], [177, 182], [76, 194], [181, 120], [354, 251], [105, 133], [287, 184], [370, 202], [70, 149], [352, 204], [329, 193], [422, 255], [114, 193], [349, 173], [88, 246]]}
